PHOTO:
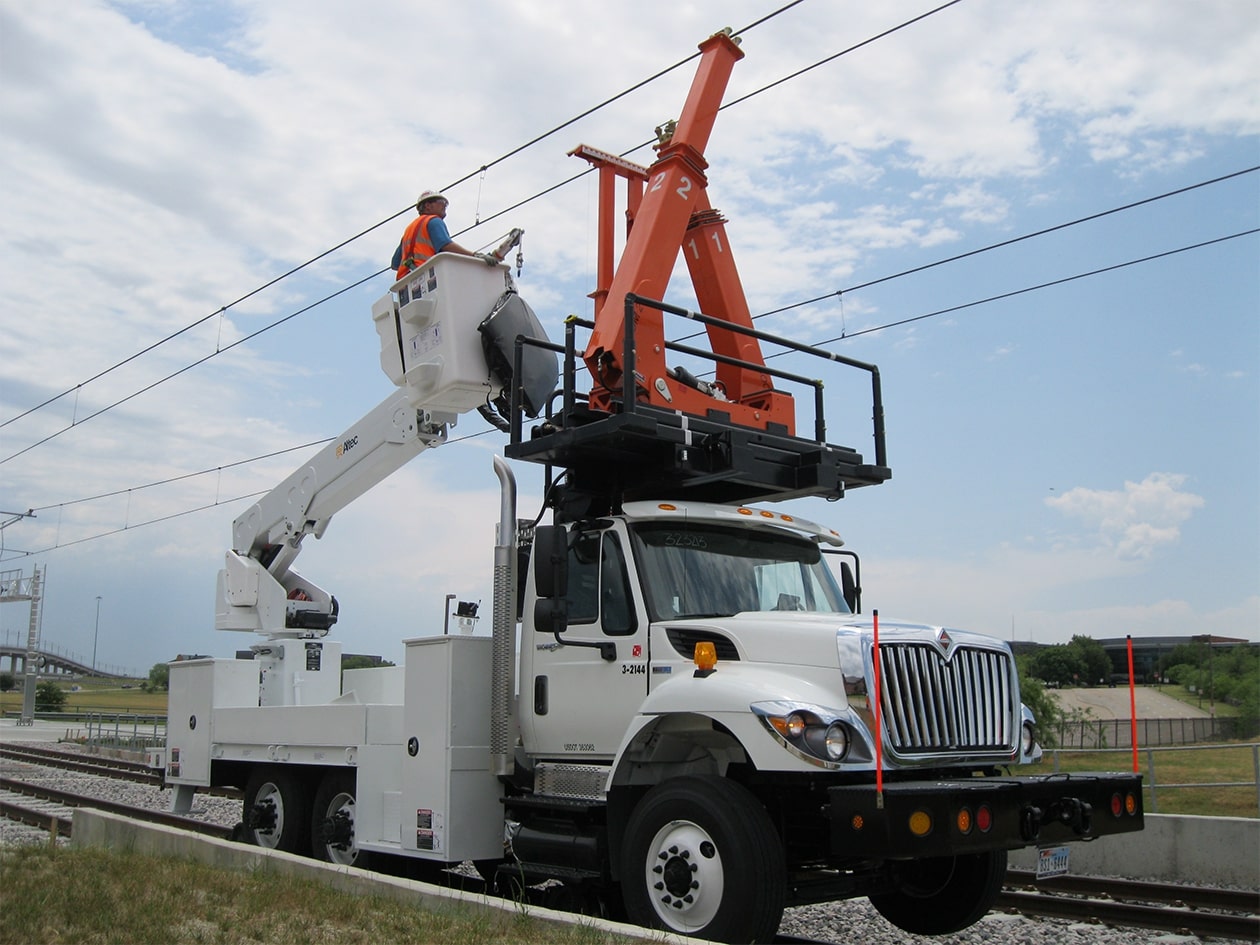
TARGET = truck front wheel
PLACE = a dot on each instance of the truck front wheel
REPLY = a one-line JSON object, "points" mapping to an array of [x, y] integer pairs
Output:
{"points": [[702, 858], [276, 811], [940, 895]]}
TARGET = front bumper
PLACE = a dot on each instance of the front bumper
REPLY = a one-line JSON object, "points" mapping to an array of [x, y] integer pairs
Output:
{"points": [[974, 815]]}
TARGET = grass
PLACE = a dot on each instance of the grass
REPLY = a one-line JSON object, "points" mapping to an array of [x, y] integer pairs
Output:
{"points": [[99, 695], [1217, 765], [1182, 694], [93, 895]]}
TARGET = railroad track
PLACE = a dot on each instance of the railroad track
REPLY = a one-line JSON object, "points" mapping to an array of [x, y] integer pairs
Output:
{"points": [[1194, 910], [1167, 907], [53, 810], [99, 765]]}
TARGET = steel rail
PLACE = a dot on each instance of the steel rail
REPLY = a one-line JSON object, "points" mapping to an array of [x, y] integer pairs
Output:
{"points": [[1135, 890], [141, 774], [118, 768], [53, 754], [72, 800], [1166, 907]]}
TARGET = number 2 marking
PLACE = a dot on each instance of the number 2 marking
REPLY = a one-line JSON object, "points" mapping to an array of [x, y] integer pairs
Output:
{"points": [[683, 189]]}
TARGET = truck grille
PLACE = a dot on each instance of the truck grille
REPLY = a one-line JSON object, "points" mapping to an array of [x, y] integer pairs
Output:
{"points": [[933, 704]]}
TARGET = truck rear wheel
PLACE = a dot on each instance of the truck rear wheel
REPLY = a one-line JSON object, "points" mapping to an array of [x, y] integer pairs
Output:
{"points": [[276, 811], [702, 858], [332, 823], [943, 894]]}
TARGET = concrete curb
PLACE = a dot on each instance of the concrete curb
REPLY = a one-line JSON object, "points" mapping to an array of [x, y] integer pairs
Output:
{"points": [[94, 828], [1173, 848]]}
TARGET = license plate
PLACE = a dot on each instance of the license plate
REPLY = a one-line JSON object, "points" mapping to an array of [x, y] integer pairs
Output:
{"points": [[1052, 861]]}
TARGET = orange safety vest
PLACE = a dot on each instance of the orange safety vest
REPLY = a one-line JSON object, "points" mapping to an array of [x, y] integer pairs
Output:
{"points": [[417, 248]]}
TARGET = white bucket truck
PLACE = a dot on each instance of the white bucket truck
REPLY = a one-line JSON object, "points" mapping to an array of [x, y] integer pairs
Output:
{"points": [[680, 716]]}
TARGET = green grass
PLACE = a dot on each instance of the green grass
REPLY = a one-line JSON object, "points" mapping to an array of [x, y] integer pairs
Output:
{"points": [[1182, 694], [103, 695], [94, 895], [1225, 764]]}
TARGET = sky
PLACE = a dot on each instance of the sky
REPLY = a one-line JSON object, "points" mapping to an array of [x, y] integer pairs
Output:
{"points": [[1073, 418]]}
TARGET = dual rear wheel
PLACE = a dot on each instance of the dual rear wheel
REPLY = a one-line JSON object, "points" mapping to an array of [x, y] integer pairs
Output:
{"points": [[285, 809]]}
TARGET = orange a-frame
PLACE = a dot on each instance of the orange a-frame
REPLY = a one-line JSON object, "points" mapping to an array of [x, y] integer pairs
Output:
{"points": [[668, 210]]}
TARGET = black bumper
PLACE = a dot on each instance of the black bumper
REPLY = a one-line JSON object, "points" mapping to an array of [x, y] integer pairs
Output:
{"points": [[1037, 810]]}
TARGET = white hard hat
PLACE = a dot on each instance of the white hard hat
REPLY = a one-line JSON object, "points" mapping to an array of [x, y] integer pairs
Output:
{"points": [[427, 196]]}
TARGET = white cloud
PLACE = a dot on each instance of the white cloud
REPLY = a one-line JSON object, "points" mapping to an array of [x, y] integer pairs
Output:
{"points": [[1137, 520], [162, 159]]}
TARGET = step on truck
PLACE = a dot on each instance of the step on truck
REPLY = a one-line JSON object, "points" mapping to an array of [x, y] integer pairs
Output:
{"points": [[681, 717]]}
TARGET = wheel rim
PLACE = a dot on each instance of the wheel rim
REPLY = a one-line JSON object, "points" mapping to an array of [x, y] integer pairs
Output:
{"points": [[267, 816], [684, 874], [339, 826]]}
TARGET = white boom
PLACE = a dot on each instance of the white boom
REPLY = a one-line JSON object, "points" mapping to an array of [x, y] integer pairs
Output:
{"points": [[432, 350]]}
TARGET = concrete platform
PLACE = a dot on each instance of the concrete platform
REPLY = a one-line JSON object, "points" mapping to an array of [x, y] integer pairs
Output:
{"points": [[41, 730]]}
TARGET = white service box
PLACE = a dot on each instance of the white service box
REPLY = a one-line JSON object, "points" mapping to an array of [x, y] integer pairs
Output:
{"points": [[196, 688], [428, 331], [298, 672], [379, 685], [451, 808]]}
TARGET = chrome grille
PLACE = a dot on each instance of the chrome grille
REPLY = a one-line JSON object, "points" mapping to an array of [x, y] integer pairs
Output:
{"points": [[933, 704]]}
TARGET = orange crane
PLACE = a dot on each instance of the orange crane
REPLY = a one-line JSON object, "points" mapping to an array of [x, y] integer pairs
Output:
{"points": [[668, 211]]}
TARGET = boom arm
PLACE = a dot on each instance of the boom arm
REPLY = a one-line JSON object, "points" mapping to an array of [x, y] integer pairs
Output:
{"points": [[432, 348], [258, 589]]}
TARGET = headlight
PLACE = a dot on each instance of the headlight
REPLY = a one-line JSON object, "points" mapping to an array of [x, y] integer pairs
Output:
{"points": [[836, 741], [814, 734], [1028, 739]]}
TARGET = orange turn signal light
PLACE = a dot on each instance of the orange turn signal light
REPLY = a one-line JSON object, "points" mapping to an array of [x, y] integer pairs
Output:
{"points": [[963, 821], [920, 823]]}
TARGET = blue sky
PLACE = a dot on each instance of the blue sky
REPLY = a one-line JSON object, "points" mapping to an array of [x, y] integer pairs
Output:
{"points": [[1082, 458]]}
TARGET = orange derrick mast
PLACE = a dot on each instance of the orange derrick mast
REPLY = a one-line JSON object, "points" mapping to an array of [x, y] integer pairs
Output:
{"points": [[668, 211]]}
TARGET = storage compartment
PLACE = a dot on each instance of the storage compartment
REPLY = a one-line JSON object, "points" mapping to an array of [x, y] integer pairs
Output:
{"points": [[450, 799], [196, 688]]}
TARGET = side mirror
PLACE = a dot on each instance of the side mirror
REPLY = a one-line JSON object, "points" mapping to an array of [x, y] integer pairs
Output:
{"points": [[848, 586], [551, 562], [551, 615]]}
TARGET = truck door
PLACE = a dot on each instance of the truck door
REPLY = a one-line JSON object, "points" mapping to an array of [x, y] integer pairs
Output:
{"points": [[581, 701]]}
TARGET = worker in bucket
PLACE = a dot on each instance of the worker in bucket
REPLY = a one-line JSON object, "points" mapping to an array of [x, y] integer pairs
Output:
{"points": [[426, 236]]}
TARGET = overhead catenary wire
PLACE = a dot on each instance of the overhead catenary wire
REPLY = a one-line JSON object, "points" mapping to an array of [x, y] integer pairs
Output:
{"points": [[834, 294], [883, 327], [219, 350], [364, 232]]}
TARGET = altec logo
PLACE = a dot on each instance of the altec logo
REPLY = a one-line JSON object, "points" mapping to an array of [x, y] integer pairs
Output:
{"points": [[347, 446]]}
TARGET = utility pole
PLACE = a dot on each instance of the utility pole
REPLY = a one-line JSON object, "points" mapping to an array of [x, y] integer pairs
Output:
{"points": [[95, 632]]}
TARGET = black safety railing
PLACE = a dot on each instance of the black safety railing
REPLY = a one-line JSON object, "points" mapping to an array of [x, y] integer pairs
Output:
{"points": [[629, 399]]}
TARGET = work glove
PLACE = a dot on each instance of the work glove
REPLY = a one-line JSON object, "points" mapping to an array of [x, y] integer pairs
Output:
{"points": [[490, 259]]}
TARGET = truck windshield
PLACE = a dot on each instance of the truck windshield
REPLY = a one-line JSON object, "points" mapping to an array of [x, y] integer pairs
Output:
{"points": [[691, 570]]}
